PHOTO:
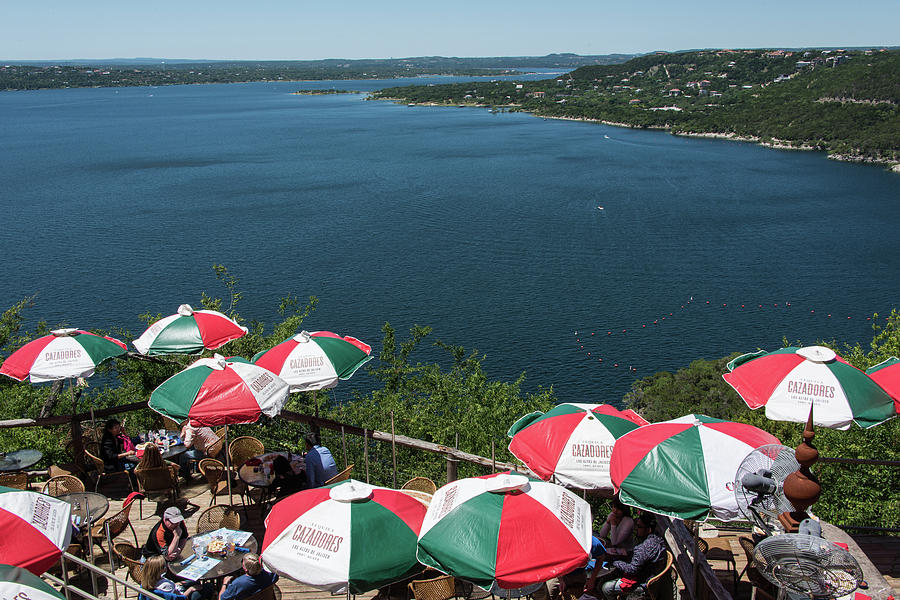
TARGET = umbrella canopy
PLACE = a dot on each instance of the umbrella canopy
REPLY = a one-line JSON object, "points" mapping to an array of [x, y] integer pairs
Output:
{"points": [[19, 584], [887, 375], [315, 361], [790, 381], [64, 354], [36, 529], [215, 391], [346, 536], [188, 331], [505, 527], [571, 443], [684, 468]]}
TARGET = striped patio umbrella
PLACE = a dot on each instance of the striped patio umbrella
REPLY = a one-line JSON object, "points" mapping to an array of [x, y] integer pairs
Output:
{"points": [[188, 331], [505, 527], [790, 381], [684, 468], [36, 529], [887, 375], [315, 361], [571, 443], [64, 354], [216, 391], [347, 536], [18, 584]]}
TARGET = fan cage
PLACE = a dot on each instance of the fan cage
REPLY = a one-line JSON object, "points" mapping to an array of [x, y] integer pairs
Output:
{"points": [[781, 462], [807, 565]]}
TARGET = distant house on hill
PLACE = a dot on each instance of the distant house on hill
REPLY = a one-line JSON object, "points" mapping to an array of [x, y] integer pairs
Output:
{"points": [[634, 101], [674, 92], [536, 94]]}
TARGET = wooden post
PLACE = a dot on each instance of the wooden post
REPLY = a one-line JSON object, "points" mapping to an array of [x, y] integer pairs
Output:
{"points": [[77, 434], [366, 452], [344, 443], [314, 427], [394, 448], [452, 463], [493, 459]]}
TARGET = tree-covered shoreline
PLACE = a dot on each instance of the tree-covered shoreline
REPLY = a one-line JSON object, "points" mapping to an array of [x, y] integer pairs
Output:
{"points": [[844, 103]]}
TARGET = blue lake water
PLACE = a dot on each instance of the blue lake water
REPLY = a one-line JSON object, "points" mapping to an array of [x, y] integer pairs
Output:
{"points": [[484, 226]]}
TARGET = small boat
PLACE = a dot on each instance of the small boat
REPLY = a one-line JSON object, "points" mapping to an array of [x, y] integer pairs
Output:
{"points": [[599, 208], [411, 104]]}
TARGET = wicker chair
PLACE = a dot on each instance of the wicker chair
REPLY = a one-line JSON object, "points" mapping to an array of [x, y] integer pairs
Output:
{"points": [[244, 448], [215, 449], [423, 497], [214, 471], [439, 588], [131, 558], [17, 480], [651, 589], [62, 484], [270, 593], [101, 474], [342, 476], [117, 524], [421, 484], [720, 554], [218, 516], [158, 482]]}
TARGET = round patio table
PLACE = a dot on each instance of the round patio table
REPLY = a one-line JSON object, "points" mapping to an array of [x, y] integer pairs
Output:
{"points": [[20, 459], [254, 472], [228, 564], [87, 503], [174, 452], [501, 593]]}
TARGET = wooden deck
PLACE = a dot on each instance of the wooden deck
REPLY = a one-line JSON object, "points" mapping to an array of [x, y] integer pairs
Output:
{"points": [[882, 550]]}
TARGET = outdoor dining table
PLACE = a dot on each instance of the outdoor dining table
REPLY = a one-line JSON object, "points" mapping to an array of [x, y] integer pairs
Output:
{"points": [[20, 459], [86, 504], [257, 471], [228, 564]]}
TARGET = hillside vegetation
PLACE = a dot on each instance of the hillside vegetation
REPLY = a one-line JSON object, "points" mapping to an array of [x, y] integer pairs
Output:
{"points": [[846, 103]]}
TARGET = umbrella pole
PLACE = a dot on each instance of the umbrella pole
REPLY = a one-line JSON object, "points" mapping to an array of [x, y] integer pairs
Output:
{"points": [[228, 466]]}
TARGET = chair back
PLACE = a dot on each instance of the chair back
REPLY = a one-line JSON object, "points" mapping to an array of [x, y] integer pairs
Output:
{"points": [[748, 546], [117, 524], [421, 484], [342, 476], [439, 588], [131, 558], [17, 480], [94, 460], [214, 471], [62, 484], [218, 516], [702, 545], [660, 568], [267, 593], [244, 448], [157, 479], [215, 449]]}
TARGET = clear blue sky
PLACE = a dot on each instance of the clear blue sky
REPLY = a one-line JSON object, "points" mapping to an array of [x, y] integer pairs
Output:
{"points": [[298, 29]]}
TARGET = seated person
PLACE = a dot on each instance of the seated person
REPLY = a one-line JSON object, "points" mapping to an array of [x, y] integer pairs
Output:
{"points": [[153, 579], [286, 482], [152, 459], [168, 537], [253, 580], [112, 448], [649, 550], [574, 581], [197, 440], [616, 531], [320, 465]]}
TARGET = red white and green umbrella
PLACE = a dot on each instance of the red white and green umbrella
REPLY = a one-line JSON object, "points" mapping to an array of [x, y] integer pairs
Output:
{"points": [[18, 584], [790, 381], [684, 468], [36, 529], [349, 535], [64, 354], [505, 528], [315, 361], [188, 331], [218, 391], [887, 375], [570, 443]]}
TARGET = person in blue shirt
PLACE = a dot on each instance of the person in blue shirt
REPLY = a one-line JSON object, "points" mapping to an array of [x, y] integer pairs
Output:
{"points": [[320, 465], [253, 580]]}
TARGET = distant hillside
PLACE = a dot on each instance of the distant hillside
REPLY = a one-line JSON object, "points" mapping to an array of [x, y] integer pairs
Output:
{"points": [[120, 72], [844, 102]]}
